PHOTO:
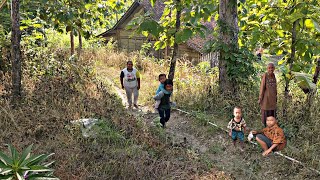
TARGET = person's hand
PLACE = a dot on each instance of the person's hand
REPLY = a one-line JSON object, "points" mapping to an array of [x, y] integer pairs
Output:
{"points": [[266, 152], [230, 133], [138, 87]]}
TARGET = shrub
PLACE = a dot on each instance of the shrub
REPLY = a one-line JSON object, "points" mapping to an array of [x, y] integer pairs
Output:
{"points": [[24, 165]]}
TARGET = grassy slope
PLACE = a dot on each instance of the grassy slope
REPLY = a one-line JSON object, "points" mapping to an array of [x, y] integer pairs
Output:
{"points": [[196, 92], [124, 148]]}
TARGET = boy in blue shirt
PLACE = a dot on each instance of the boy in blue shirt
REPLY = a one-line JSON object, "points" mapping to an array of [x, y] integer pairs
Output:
{"points": [[164, 107], [162, 79]]}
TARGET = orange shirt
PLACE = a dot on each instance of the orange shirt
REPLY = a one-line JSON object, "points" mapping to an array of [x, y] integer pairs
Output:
{"points": [[275, 133]]}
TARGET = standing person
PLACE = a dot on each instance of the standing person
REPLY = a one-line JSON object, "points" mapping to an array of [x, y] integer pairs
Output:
{"points": [[237, 127], [164, 106], [130, 82], [272, 137], [162, 79], [268, 94], [259, 54]]}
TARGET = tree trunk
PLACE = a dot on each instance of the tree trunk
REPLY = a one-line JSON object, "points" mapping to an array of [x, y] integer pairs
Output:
{"points": [[292, 55], [15, 50], [290, 62], [175, 46], [312, 93], [228, 36], [72, 42], [80, 44], [317, 72]]}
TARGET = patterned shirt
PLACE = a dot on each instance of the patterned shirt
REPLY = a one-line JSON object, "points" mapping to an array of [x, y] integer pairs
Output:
{"points": [[233, 124], [275, 133], [268, 92]]}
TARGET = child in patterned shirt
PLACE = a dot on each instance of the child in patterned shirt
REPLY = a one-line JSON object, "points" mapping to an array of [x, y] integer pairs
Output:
{"points": [[237, 127], [271, 138]]}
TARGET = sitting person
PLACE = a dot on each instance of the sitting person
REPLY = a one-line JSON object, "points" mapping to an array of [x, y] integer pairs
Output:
{"points": [[271, 138]]}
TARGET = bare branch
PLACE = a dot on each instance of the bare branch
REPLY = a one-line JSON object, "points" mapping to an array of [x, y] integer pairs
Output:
{"points": [[2, 4]]}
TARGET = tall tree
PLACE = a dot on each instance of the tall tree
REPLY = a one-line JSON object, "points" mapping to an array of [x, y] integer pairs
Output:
{"points": [[15, 49], [175, 46], [180, 20], [228, 21], [289, 29]]}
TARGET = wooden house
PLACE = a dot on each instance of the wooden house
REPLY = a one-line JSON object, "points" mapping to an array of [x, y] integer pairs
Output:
{"points": [[129, 41]]}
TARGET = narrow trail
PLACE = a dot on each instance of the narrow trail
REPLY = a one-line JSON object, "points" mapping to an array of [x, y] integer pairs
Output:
{"points": [[213, 146]]}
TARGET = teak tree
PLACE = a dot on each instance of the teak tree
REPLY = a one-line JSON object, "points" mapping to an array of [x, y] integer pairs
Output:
{"points": [[15, 49]]}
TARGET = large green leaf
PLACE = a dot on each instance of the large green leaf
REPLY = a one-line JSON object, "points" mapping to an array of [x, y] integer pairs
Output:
{"points": [[19, 176], [5, 171], [316, 25], [48, 164], [152, 27], [3, 165], [14, 154], [6, 177], [25, 154], [41, 177], [183, 35], [5, 159], [39, 168], [36, 159], [304, 80]]}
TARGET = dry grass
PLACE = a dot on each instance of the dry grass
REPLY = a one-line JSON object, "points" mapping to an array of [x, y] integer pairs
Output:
{"points": [[129, 150], [197, 91], [123, 150]]}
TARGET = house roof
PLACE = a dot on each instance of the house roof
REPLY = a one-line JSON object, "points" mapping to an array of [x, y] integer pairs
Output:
{"points": [[195, 42], [135, 5]]}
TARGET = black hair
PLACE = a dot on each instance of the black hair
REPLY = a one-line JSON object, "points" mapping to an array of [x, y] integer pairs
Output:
{"points": [[168, 81], [237, 107], [160, 75], [129, 62]]}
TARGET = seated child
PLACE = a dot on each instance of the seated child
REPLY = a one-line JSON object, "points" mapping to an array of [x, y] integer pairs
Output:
{"points": [[237, 127], [271, 138], [162, 79]]}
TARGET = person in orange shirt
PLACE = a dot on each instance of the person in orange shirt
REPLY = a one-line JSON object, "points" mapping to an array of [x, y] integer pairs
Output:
{"points": [[271, 138]]}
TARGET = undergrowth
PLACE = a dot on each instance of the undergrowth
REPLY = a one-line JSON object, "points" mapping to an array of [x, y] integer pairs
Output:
{"points": [[64, 89], [196, 90]]}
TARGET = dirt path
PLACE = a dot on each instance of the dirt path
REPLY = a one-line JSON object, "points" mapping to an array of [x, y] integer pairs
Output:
{"points": [[213, 146]]}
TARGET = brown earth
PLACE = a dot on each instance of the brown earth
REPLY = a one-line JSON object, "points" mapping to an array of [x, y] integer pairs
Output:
{"points": [[213, 146]]}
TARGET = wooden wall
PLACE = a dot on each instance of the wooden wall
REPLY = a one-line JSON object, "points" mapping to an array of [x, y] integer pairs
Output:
{"points": [[129, 41]]}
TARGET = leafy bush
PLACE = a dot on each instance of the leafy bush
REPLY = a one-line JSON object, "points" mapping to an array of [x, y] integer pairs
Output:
{"points": [[25, 166]]}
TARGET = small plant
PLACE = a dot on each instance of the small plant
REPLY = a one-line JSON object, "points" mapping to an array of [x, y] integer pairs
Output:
{"points": [[25, 166]]}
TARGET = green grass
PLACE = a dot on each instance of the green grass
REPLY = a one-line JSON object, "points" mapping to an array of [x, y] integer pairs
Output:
{"points": [[198, 92]]}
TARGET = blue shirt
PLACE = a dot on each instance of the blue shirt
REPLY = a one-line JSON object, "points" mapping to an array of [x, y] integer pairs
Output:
{"points": [[161, 88]]}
